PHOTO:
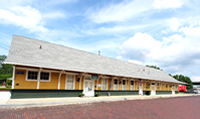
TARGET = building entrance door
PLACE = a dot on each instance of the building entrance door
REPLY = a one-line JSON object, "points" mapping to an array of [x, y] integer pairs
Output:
{"points": [[140, 90], [88, 88], [173, 90]]}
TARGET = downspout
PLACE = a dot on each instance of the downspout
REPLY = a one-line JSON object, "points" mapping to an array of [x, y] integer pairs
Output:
{"points": [[13, 77], [38, 78], [59, 79]]}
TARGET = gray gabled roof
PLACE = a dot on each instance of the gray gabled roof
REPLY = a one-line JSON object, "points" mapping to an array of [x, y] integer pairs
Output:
{"points": [[26, 51]]}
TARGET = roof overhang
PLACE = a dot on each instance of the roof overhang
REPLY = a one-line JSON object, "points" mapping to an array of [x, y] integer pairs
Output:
{"points": [[81, 71]]}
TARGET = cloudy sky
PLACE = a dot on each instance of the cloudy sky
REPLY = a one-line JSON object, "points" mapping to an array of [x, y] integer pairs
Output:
{"points": [[165, 33]]}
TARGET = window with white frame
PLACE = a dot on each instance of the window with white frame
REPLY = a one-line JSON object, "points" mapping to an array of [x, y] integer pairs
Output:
{"points": [[132, 85], [162, 84], [158, 84], [115, 84], [104, 83], [123, 84], [45, 76], [32, 75], [147, 85], [70, 82]]}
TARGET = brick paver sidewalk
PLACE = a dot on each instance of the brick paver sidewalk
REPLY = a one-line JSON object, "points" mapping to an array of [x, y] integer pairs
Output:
{"points": [[163, 108]]}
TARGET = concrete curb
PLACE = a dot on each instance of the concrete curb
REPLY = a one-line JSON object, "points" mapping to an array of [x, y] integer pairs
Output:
{"points": [[59, 103], [96, 100]]}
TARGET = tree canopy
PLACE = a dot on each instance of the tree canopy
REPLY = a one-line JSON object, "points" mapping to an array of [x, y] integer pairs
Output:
{"points": [[185, 79], [180, 77], [2, 58], [6, 69], [154, 66]]}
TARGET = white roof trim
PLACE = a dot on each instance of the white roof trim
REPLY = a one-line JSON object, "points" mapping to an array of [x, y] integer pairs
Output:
{"points": [[147, 78]]}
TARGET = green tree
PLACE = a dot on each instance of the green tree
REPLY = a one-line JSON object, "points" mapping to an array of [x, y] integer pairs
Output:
{"points": [[181, 78], [6, 69], [2, 58], [185, 79], [154, 66]]}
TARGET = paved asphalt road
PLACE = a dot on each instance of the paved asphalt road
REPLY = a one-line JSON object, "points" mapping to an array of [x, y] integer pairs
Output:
{"points": [[163, 108]]}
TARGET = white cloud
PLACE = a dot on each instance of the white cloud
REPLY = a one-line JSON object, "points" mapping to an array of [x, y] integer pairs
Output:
{"points": [[139, 47], [178, 24], [120, 12], [174, 24], [5, 42], [195, 78], [164, 4], [54, 15], [116, 30], [130, 9], [191, 32], [26, 17], [7, 4], [56, 2], [175, 53]]}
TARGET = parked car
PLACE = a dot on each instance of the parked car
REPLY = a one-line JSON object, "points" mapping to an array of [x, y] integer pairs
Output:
{"points": [[192, 91]]}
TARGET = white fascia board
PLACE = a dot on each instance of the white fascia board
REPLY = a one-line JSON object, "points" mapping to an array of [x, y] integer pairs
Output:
{"points": [[75, 70]]}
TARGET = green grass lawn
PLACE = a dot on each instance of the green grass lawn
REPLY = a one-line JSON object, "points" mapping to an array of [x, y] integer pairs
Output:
{"points": [[5, 88], [181, 92]]}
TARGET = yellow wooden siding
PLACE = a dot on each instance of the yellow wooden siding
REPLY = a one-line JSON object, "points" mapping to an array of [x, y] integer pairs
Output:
{"points": [[120, 85], [138, 85], [95, 85], [148, 85], [53, 84], [62, 81], [176, 87], [82, 81], [127, 84], [135, 82], [143, 86], [152, 87], [109, 83], [112, 85], [158, 87], [162, 87], [166, 87], [76, 83], [170, 87], [23, 84]]}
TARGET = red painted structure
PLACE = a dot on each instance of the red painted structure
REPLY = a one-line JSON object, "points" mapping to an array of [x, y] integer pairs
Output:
{"points": [[181, 88]]}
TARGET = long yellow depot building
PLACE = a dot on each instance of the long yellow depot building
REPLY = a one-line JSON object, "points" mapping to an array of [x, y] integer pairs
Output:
{"points": [[43, 69]]}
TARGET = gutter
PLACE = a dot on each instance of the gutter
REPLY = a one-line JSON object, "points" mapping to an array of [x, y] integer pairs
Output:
{"points": [[75, 70]]}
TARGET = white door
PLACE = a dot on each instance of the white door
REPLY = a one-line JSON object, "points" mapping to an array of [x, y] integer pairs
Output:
{"points": [[140, 90], [132, 85], [115, 84], [123, 85], [88, 88], [153, 90], [173, 90]]}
